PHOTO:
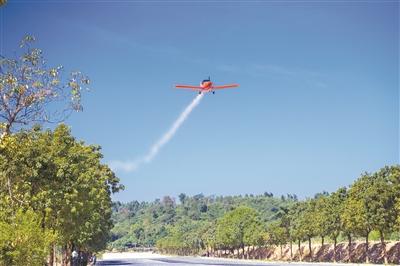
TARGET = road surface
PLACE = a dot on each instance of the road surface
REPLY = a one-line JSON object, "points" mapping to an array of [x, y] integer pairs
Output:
{"points": [[138, 259]]}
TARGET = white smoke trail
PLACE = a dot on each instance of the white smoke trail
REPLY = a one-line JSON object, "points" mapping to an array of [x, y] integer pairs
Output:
{"points": [[130, 166]]}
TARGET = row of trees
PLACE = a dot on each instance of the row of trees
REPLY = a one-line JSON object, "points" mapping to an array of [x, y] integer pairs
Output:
{"points": [[55, 194], [370, 204], [237, 229]]}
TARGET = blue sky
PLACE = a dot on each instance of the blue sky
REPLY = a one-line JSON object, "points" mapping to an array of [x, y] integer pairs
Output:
{"points": [[318, 103]]}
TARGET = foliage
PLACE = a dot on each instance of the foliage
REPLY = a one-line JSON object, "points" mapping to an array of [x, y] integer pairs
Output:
{"points": [[63, 181], [333, 211], [144, 224], [238, 228], [54, 190], [276, 234], [29, 89], [370, 207], [23, 240]]}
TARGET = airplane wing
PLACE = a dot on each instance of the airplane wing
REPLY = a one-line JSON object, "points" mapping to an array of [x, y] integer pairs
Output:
{"points": [[189, 87], [226, 86]]}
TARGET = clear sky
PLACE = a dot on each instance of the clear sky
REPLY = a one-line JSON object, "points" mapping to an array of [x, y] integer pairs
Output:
{"points": [[317, 106]]}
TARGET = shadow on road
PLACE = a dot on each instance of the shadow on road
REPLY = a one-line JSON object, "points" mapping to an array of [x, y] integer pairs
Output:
{"points": [[114, 262], [189, 262]]}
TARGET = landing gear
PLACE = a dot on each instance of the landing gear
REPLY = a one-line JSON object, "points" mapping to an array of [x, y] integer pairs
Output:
{"points": [[213, 92], [199, 92]]}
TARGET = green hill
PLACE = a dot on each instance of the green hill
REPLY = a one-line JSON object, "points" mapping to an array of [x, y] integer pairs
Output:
{"points": [[144, 223]]}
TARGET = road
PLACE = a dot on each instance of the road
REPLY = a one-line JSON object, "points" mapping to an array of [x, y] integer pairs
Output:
{"points": [[154, 259], [178, 261]]}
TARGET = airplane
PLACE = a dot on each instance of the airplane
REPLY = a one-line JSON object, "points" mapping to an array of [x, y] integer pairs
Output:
{"points": [[206, 86]]}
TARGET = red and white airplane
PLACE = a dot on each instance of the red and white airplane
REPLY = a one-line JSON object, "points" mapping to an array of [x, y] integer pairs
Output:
{"points": [[206, 86]]}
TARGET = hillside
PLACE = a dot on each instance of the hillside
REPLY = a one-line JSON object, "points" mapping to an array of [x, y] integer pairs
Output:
{"points": [[143, 223]]}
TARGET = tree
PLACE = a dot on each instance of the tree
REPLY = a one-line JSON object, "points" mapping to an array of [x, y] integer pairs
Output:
{"points": [[228, 235], [182, 198], [333, 213], [63, 181], [304, 224], [381, 199], [309, 223], [253, 233], [285, 221], [321, 215], [238, 228], [297, 232], [276, 235], [28, 87], [392, 173], [183, 238], [207, 235], [357, 211]]}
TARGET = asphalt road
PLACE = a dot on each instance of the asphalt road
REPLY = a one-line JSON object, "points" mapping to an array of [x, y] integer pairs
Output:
{"points": [[192, 261]]}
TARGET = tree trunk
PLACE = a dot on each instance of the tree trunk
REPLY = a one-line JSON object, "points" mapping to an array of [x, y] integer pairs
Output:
{"points": [[291, 251], [383, 247], [67, 255], [366, 249], [64, 256], [322, 241], [6, 132], [300, 253], [243, 257], [51, 258], [281, 251], [349, 247], [334, 249], [309, 247]]}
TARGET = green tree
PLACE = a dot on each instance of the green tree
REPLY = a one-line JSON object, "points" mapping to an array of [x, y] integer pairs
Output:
{"points": [[63, 181], [285, 218], [238, 228], [309, 223], [207, 235], [393, 174], [276, 235], [297, 232], [381, 198], [321, 215], [333, 213], [357, 211], [304, 225], [23, 241]]}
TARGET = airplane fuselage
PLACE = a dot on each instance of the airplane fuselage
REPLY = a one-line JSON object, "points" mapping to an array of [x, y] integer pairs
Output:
{"points": [[206, 86]]}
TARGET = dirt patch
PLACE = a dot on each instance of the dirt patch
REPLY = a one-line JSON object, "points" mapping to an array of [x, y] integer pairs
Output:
{"points": [[325, 253]]}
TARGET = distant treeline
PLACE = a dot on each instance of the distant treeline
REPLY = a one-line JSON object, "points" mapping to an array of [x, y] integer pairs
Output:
{"points": [[144, 223], [369, 208]]}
